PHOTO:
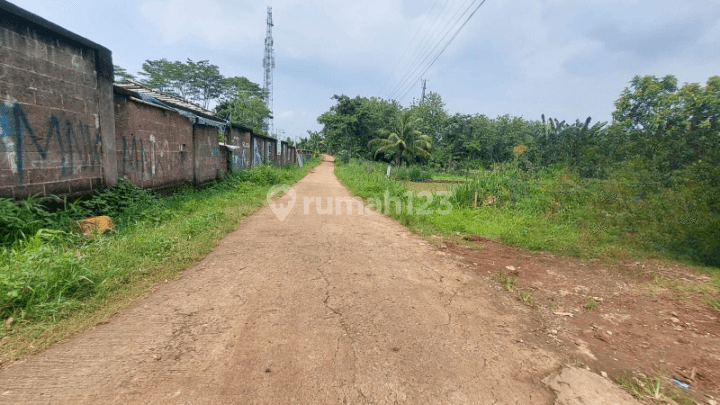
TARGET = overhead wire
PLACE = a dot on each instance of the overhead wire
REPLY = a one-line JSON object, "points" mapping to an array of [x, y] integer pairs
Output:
{"points": [[446, 45], [412, 41], [431, 36], [432, 55]]}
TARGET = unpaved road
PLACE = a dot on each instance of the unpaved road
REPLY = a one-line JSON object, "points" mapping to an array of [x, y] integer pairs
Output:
{"points": [[314, 309]]}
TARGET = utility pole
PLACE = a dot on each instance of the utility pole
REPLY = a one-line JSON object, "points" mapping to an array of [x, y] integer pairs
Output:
{"points": [[269, 65], [424, 86]]}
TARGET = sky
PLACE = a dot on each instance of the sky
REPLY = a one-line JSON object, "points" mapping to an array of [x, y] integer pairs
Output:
{"points": [[566, 59]]}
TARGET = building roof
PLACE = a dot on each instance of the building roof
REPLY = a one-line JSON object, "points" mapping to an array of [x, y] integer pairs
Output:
{"points": [[190, 110]]}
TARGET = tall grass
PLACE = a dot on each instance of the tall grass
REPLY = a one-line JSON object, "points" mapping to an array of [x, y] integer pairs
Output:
{"points": [[556, 210], [51, 273]]}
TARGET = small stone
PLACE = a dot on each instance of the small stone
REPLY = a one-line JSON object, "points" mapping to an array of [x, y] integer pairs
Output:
{"points": [[675, 320], [604, 374], [712, 402], [553, 331], [157, 357], [608, 332], [511, 268], [520, 341]]}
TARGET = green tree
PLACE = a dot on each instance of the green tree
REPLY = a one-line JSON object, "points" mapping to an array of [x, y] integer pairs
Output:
{"points": [[314, 143], [205, 80], [166, 77], [242, 102], [432, 116], [403, 141], [669, 127], [352, 122], [122, 75], [199, 82]]}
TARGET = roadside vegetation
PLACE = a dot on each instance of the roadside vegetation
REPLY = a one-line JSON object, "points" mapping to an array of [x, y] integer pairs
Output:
{"points": [[49, 273], [646, 184]]}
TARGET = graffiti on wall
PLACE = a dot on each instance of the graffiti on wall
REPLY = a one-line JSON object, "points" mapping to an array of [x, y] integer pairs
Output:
{"points": [[147, 162], [77, 150], [244, 155], [257, 153]]}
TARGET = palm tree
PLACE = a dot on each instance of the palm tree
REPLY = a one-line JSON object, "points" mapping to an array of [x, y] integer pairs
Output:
{"points": [[404, 141]]}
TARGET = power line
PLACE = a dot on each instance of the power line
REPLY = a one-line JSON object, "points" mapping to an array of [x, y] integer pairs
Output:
{"points": [[430, 37], [446, 45], [407, 48], [410, 76]]}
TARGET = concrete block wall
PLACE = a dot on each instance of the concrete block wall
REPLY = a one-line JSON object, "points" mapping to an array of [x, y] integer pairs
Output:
{"points": [[258, 150], [56, 111], [241, 158], [209, 162], [65, 130], [154, 145]]}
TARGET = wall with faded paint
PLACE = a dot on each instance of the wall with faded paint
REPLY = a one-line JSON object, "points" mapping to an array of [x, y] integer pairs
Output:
{"points": [[209, 162], [53, 108], [153, 145], [241, 157], [271, 148], [63, 130]]}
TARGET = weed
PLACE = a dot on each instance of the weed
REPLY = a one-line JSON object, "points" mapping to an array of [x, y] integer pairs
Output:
{"points": [[590, 304], [651, 388], [507, 280], [525, 295], [554, 209]]}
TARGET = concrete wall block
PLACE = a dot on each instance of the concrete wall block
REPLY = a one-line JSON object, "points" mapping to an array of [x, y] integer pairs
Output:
{"points": [[57, 188], [16, 92], [80, 186], [26, 190], [73, 104], [7, 191]]}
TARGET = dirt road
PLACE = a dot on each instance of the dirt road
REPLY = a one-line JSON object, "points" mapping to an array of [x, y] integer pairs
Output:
{"points": [[318, 308]]}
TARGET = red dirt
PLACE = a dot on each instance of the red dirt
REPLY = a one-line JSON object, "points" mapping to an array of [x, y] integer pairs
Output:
{"points": [[647, 320]]}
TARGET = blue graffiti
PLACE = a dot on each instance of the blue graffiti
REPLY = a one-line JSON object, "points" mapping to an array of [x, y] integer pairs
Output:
{"points": [[15, 127]]}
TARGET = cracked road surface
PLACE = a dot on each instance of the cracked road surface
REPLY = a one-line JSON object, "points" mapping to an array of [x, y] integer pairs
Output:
{"points": [[317, 308]]}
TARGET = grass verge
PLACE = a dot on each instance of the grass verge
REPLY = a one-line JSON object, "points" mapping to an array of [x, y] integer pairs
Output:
{"points": [[552, 210], [56, 283]]}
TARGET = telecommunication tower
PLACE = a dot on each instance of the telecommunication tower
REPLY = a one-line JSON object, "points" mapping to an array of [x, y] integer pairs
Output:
{"points": [[269, 65]]}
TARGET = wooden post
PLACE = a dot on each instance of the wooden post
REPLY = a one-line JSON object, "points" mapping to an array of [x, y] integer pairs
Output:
{"points": [[475, 204]]}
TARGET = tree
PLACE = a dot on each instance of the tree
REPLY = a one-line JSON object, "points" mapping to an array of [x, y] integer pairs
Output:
{"points": [[403, 142], [199, 82], [165, 76], [314, 143], [431, 115], [352, 122], [205, 80], [242, 102], [122, 75], [669, 127]]}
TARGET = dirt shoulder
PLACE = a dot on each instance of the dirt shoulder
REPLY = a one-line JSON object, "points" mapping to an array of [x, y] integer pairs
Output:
{"points": [[318, 308], [636, 321]]}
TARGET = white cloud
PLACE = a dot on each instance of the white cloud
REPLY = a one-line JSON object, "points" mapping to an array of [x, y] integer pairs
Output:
{"points": [[565, 58]]}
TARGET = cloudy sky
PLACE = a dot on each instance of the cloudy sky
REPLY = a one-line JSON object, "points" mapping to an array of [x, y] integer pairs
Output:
{"points": [[564, 58]]}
